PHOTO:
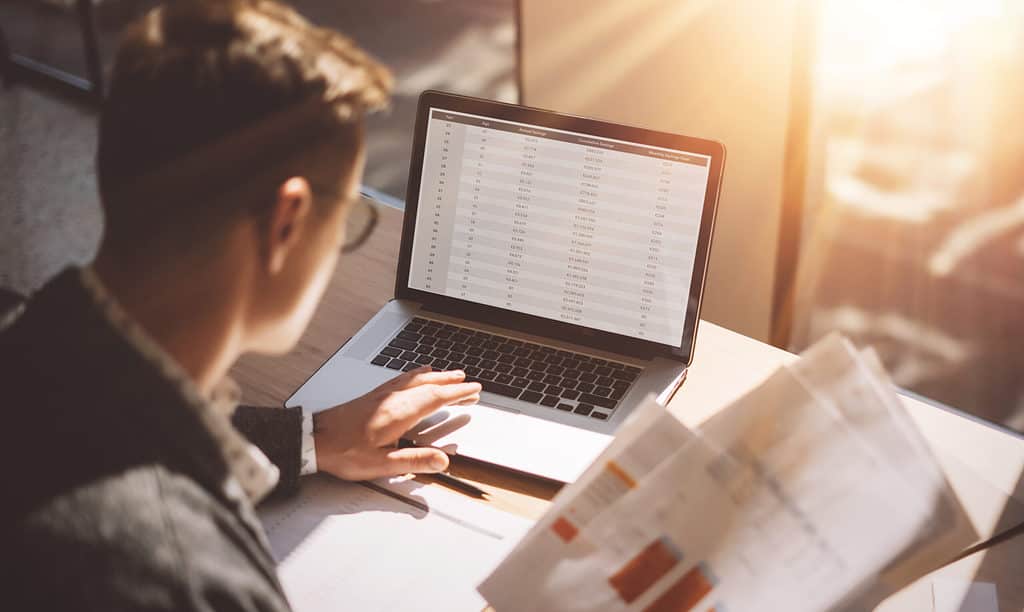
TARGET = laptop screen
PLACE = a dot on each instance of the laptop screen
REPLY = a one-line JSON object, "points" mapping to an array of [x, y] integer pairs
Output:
{"points": [[562, 225]]}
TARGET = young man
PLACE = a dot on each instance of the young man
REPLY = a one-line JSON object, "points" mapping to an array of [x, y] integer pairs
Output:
{"points": [[230, 156]]}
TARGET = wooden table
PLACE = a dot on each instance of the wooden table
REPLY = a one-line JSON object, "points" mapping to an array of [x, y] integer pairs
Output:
{"points": [[984, 465]]}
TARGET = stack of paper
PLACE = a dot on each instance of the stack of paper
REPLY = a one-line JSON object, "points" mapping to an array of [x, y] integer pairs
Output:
{"points": [[811, 492]]}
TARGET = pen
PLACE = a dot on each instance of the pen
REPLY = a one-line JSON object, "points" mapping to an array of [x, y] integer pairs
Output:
{"points": [[447, 479], [458, 484]]}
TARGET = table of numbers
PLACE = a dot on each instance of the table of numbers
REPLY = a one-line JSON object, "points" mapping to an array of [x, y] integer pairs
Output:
{"points": [[567, 226]]}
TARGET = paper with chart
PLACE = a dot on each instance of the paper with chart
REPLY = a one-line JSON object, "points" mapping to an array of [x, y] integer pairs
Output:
{"points": [[811, 492], [397, 546]]}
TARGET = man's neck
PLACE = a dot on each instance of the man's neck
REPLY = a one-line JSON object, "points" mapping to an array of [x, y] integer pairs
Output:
{"points": [[190, 311]]}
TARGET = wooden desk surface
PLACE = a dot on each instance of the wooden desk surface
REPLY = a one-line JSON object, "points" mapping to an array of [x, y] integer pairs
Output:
{"points": [[985, 466]]}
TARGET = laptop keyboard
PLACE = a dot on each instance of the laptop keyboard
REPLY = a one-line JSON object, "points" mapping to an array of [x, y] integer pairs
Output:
{"points": [[558, 379]]}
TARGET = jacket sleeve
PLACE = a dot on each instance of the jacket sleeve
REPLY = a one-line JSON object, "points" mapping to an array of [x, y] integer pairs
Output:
{"points": [[278, 433]]}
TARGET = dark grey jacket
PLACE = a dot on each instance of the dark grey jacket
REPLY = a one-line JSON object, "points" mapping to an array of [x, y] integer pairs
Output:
{"points": [[113, 492]]}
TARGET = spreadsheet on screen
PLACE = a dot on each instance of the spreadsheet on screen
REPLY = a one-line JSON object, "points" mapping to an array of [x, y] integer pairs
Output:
{"points": [[563, 225]]}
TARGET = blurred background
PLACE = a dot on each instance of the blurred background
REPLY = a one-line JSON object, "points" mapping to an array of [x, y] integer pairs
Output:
{"points": [[874, 185]]}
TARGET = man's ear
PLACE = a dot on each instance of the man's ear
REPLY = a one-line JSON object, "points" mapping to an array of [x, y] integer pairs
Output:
{"points": [[288, 221]]}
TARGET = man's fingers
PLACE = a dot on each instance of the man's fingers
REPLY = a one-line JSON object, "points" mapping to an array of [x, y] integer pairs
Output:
{"points": [[426, 399], [424, 376], [421, 401], [416, 460]]}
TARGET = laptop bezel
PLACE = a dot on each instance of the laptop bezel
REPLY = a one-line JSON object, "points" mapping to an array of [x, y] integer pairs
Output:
{"points": [[540, 326]]}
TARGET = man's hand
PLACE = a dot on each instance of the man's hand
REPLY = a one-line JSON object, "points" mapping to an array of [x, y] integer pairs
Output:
{"points": [[356, 440]]}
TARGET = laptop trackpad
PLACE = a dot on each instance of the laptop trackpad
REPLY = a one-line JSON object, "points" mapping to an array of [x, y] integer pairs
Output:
{"points": [[509, 438]]}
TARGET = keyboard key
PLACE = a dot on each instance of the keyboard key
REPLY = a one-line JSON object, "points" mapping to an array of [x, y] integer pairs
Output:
{"points": [[504, 368], [597, 414], [443, 334], [585, 367], [537, 376], [604, 402], [625, 375], [520, 371], [571, 364], [440, 364], [444, 344], [531, 396], [602, 371], [504, 378], [491, 354], [551, 379], [573, 374], [603, 381], [471, 371], [410, 355], [570, 394], [506, 358], [620, 385], [428, 340], [616, 394], [522, 352], [407, 345], [506, 348], [500, 389], [396, 364], [488, 374], [410, 366], [554, 390], [424, 360], [380, 360], [423, 349], [585, 387], [390, 351], [588, 377], [553, 359], [419, 321], [513, 342], [439, 352], [583, 409], [563, 354], [487, 364], [539, 366], [408, 335], [455, 355], [412, 327], [602, 391], [537, 386], [455, 365], [558, 370], [471, 360], [564, 406], [460, 338], [520, 382], [549, 400]]}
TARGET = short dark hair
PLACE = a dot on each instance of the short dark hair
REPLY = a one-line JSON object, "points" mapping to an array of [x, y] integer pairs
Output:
{"points": [[248, 83]]}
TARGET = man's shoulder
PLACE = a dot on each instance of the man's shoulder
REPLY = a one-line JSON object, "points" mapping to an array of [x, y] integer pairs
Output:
{"points": [[144, 539]]}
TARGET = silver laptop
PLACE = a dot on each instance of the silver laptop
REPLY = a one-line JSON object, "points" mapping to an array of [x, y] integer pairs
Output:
{"points": [[558, 260]]}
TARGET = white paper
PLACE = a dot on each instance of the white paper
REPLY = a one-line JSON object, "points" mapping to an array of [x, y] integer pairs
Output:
{"points": [[810, 492], [963, 596], [385, 546]]}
